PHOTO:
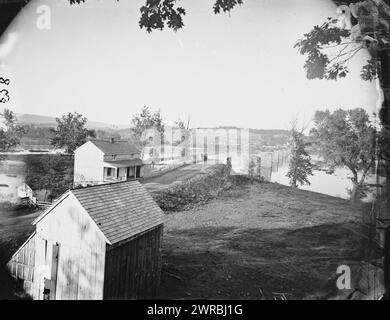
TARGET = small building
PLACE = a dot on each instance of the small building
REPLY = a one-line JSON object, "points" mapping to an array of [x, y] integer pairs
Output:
{"points": [[98, 242], [26, 194], [101, 161]]}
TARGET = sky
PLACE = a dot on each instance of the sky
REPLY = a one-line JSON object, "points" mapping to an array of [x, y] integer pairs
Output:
{"points": [[220, 70]]}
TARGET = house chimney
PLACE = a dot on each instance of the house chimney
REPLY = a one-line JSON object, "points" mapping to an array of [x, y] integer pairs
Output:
{"points": [[112, 140]]}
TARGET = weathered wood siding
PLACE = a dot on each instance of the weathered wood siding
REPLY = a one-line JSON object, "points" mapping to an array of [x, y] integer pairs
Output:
{"points": [[133, 267], [21, 265], [81, 253]]}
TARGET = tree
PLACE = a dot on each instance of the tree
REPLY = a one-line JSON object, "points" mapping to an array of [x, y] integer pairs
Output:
{"points": [[51, 173], [12, 132], [363, 25], [300, 166], [346, 138], [156, 14], [330, 46], [71, 132], [147, 120]]}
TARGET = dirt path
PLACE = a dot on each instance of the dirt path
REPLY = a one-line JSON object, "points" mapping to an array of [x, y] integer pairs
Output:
{"points": [[260, 238], [174, 176]]}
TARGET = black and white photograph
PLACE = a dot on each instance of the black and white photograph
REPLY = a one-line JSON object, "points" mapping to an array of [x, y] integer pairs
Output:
{"points": [[194, 150]]}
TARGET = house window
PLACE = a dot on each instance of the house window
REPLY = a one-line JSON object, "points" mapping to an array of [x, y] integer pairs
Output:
{"points": [[109, 171]]}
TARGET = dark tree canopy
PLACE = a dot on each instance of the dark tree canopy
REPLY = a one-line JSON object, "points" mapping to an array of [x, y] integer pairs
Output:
{"points": [[158, 14], [318, 64], [330, 46], [155, 14], [52, 173], [71, 132]]}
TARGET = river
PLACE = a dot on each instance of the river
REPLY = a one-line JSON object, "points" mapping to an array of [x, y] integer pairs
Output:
{"points": [[336, 184]]}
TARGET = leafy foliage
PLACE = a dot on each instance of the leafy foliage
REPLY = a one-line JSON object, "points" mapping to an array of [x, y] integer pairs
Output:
{"points": [[225, 5], [76, 1], [147, 120], [329, 47], [158, 14], [318, 64], [370, 71], [12, 132], [71, 132], [196, 190], [346, 138], [300, 166], [53, 173], [155, 14]]}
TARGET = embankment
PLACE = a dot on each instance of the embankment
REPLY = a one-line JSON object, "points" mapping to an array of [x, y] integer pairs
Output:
{"points": [[196, 190]]}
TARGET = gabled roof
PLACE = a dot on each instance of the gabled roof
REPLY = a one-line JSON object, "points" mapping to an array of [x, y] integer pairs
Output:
{"points": [[121, 210], [116, 147]]}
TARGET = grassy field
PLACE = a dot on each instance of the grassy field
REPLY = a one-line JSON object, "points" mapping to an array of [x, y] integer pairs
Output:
{"points": [[259, 239]]}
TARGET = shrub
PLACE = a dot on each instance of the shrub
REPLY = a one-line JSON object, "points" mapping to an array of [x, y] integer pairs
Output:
{"points": [[200, 189]]}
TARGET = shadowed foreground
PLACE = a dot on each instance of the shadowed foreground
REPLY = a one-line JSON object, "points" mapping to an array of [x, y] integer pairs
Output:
{"points": [[249, 243], [256, 240]]}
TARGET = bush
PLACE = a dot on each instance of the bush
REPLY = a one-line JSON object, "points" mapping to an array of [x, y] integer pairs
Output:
{"points": [[199, 189], [53, 173]]}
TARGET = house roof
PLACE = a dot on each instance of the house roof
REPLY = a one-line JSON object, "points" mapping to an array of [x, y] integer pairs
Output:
{"points": [[116, 147], [125, 163], [121, 210]]}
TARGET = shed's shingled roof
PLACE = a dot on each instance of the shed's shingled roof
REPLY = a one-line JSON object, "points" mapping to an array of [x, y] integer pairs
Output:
{"points": [[121, 210], [116, 147]]}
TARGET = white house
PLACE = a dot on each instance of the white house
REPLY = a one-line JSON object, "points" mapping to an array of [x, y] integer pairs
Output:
{"points": [[100, 161], [97, 242]]}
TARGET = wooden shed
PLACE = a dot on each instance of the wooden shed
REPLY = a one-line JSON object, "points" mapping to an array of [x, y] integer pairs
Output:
{"points": [[96, 242]]}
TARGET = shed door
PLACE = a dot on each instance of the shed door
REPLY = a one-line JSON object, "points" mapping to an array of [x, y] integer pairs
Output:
{"points": [[50, 285]]}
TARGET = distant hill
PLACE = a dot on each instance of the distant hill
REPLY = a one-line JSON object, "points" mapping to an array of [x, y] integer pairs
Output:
{"points": [[39, 135], [271, 131], [46, 121], [254, 131]]}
